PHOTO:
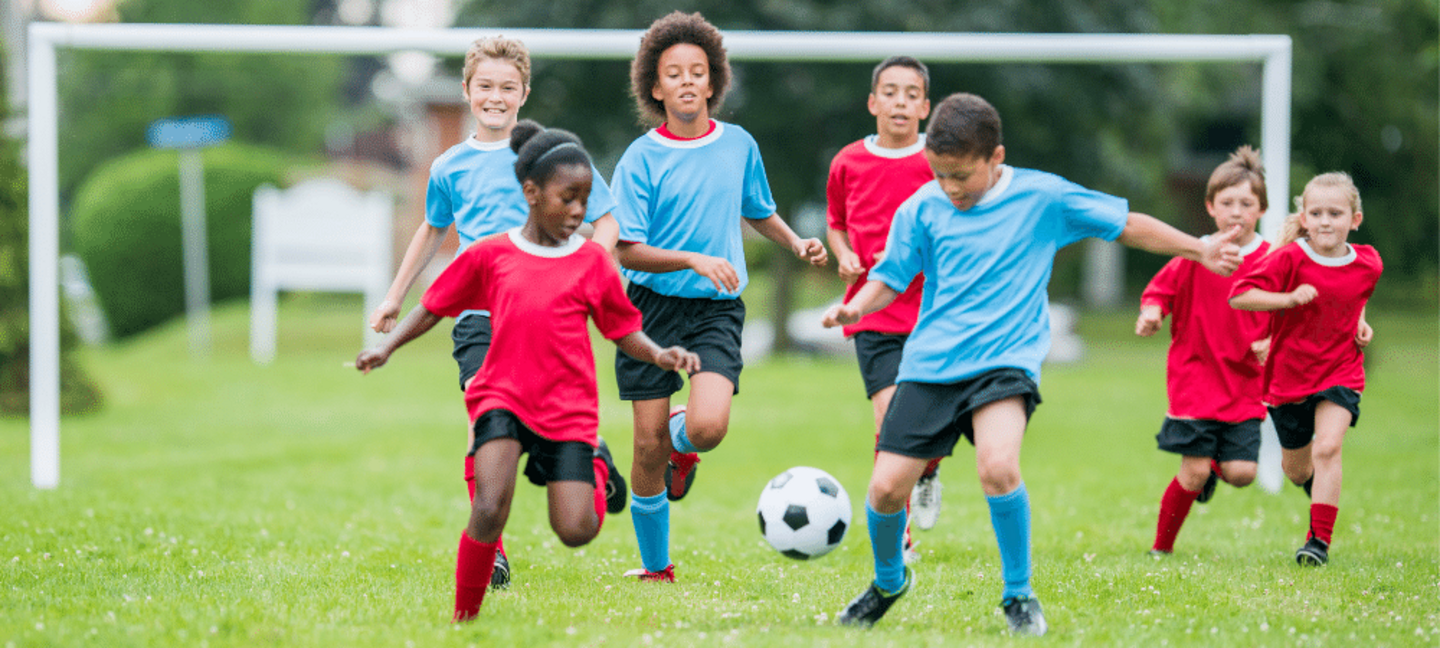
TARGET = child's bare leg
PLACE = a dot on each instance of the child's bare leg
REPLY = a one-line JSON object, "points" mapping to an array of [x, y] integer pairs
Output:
{"points": [[1238, 473], [1331, 422], [1296, 464], [999, 429], [1194, 471], [572, 512], [652, 446], [495, 464], [880, 402], [707, 415], [891, 482]]}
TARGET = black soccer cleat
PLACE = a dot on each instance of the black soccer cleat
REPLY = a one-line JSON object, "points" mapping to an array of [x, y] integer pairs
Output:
{"points": [[1208, 490], [872, 604], [1023, 615], [500, 578], [1315, 553], [615, 491]]}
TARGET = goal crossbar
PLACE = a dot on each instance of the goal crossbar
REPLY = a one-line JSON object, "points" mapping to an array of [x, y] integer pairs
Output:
{"points": [[1273, 52]]}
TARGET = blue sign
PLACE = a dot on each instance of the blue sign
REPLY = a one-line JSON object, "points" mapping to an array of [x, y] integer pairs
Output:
{"points": [[188, 132]]}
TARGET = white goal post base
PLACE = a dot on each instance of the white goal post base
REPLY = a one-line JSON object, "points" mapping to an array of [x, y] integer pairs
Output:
{"points": [[1272, 51]]}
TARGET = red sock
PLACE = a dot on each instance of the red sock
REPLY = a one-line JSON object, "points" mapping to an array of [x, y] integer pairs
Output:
{"points": [[1322, 522], [470, 476], [473, 566], [1215, 468], [931, 467], [602, 475], [1174, 506]]}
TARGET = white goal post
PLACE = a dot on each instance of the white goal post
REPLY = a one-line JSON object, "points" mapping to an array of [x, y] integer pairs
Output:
{"points": [[1272, 51]]}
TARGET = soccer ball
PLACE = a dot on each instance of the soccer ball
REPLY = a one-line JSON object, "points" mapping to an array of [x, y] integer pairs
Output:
{"points": [[804, 513]]}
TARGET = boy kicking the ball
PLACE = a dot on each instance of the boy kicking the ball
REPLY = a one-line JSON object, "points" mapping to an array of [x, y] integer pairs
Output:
{"points": [[985, 234]]}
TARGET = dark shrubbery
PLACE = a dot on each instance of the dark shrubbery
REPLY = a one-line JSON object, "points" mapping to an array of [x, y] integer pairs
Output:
{"points": [[125, 225]]}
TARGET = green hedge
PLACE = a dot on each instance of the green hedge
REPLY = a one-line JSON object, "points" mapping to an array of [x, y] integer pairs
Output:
{"points": [[125, 225]]}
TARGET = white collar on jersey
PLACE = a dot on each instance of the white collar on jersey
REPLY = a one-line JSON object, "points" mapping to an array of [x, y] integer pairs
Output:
{"points": [[1246, 249], [486, 146], [1333, 262], [873, 146], [1007, 173], [698, 142], [545, 251]]}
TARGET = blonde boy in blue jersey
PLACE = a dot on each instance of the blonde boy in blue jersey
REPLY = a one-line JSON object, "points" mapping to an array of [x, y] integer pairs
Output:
{"points": [[985, 235]]}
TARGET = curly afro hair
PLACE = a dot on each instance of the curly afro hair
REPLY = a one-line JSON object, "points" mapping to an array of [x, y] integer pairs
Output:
{"points": [[675, 29]]}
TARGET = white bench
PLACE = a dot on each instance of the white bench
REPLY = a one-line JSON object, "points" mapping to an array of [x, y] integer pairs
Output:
{"points": [[320, 235]]}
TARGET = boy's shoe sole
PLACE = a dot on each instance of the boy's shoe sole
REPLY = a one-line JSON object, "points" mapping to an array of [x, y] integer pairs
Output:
{"points": [[872, 604], [1024, 616], [1315, 553], [615, 490]]}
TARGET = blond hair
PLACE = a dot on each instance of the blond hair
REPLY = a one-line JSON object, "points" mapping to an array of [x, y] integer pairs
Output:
{"points": [[1243, 166], [501, 49], [1292, 229]]}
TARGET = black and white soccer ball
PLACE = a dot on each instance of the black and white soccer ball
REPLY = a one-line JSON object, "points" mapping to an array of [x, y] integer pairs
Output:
{"points": [[804, 513]]}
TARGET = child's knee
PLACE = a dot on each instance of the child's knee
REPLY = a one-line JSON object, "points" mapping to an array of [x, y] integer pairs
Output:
{"points": [[1239, 473], [998, 475], [577, 533], [705, 435], [887, 495]]}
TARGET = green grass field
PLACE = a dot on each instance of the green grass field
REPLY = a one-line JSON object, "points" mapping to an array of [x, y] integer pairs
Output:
{"points": [[223, 504]]}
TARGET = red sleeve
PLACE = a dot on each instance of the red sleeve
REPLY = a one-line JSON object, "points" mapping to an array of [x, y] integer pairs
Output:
{"points": [[460, 287], [835, 194], [1164, 286], [1270, 274], [612, 311]]}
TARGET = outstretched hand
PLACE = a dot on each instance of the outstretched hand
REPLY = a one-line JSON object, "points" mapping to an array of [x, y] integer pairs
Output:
{"points": [[1221, 255], [1149, 321], [812, 250], [371, 359], [677, 359], [717, 270], [385, 315], [850, 267]]}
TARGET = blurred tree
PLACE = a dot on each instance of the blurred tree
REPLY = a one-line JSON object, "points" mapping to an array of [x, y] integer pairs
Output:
{"points": [[108, 100], [77, 391]]}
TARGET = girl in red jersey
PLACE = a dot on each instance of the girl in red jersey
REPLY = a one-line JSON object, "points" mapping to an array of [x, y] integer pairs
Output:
{"points": [[536, 391], [1213, 373], [1317, 286]]}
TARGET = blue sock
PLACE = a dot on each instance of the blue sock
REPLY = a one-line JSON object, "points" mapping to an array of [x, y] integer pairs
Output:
{"points": [[1010, 515], [651, 516], [679, 438], [887, 537]]}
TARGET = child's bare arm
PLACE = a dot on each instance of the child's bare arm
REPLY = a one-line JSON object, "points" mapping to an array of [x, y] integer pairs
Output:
{"points": [[1219, 254], [873, 296], [414, 325], [846, 258], [775, 229], [1363, 333], [1256, 299], [648, 258], [639, 346], [422, 248]]}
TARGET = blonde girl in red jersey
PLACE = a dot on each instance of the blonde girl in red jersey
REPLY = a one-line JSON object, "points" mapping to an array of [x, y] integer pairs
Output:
{"points": [[1317, 284], [1213, 373], [536, 392]]}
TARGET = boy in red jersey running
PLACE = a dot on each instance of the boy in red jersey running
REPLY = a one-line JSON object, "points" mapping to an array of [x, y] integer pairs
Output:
{"points": [[1317, 284], [536, 391], [1212, 375], [868, 181]]}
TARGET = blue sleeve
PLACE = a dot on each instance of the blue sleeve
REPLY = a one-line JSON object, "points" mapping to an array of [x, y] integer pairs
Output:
{"points": [[905, 249], [631, 192], [439, 210], [1086, 213], [601, 201], [758, 203]]}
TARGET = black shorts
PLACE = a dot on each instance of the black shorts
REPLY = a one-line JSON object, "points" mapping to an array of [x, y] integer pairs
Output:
{"points": [[926, 420], [1295, 422], [550, 461], [879, 356], [708, 327], [1219, 440], [472, 335]]}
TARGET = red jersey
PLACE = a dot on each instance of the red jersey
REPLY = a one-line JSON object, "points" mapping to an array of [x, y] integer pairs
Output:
{"points": [[540, 365], [1211, 372], [1312, 347], [867, 184]]}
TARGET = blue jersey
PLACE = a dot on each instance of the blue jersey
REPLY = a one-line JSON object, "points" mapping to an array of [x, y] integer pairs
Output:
{"points": [[984, 304], [689, 195], [473, 185]]}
